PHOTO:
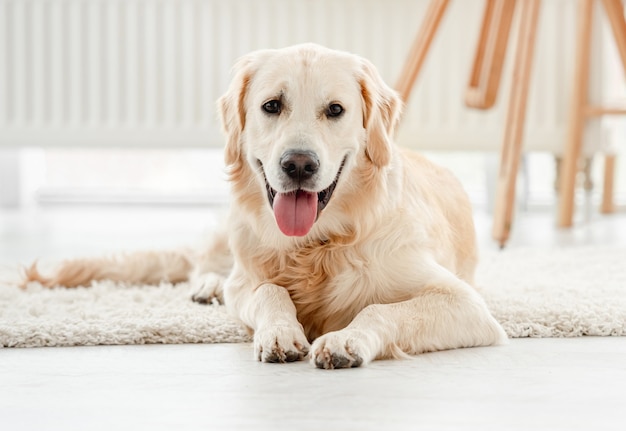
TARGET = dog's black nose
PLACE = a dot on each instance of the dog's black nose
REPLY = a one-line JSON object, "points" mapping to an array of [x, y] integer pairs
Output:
{"points": [[299, 165]]}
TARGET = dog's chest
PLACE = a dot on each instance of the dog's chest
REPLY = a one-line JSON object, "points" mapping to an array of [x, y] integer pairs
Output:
{"points": [[329, 285]]}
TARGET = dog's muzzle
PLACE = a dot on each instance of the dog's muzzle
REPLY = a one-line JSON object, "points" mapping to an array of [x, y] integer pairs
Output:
{"points": [[297, 210]]}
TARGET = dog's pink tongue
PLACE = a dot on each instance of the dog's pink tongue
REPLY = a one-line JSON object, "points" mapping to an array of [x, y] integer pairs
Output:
{"points": [[295, 212]]}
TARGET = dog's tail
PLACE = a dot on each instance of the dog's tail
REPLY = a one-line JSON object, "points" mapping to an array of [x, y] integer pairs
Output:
{"points": [[149, 267]]}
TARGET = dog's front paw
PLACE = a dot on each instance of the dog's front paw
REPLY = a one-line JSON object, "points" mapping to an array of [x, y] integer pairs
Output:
{"points": [[207, 287], [347, 348], [280, 343]]}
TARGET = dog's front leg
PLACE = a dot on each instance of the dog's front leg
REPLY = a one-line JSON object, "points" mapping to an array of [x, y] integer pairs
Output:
{"points": [[269, 311], [446, 313]]}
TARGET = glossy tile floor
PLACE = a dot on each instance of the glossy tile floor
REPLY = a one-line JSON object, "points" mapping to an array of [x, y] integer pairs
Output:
{"points": [[551, 384]]}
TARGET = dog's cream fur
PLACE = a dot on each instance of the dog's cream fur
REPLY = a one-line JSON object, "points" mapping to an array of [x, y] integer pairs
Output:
{"points": [[387, 268]]}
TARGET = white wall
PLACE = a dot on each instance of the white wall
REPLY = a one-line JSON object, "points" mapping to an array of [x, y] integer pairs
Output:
{"points": [[147, 73]]}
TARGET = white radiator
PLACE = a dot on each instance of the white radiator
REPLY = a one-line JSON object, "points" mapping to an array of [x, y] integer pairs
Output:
{"points": [[148, 72]]}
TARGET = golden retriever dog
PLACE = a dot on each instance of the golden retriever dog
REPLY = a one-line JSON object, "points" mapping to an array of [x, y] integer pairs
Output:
{"points": [[340, 245]]}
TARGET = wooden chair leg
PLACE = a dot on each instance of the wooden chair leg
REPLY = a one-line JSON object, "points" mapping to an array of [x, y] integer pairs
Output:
{"points": [[512, 145], [615, 13], [576, 121], [484, 80], [608, 206], [420, 47], [479, 56]]}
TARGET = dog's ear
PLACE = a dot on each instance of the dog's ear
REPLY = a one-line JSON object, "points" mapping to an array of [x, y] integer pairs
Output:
{"points": [[381, 111], [231, 108]]}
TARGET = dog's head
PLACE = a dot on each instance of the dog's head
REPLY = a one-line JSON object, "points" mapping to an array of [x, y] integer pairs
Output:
{"points": [[300, 119]]}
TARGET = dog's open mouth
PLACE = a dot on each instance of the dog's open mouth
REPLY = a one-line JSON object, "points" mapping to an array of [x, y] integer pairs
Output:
{"points": [[296, 211]]}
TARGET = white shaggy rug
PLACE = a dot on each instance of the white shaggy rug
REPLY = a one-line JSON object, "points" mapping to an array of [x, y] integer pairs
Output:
{"points": [[565, 292]]}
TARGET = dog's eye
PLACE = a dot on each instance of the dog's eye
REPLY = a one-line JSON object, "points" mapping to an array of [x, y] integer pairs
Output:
{"points": [[334, 110], [272, 107]]}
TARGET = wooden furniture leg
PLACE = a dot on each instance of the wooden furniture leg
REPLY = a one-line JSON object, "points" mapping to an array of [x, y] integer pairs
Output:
{"points": [[608, 206], [512, 144], [484, 80], [420, 47], [615, 14], [576, 121]]}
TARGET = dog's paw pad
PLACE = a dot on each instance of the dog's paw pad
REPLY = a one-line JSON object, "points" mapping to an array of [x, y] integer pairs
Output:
{"points": [[337, 350], [333, 360], [280, 344], [208, 288], [278, 355]]}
